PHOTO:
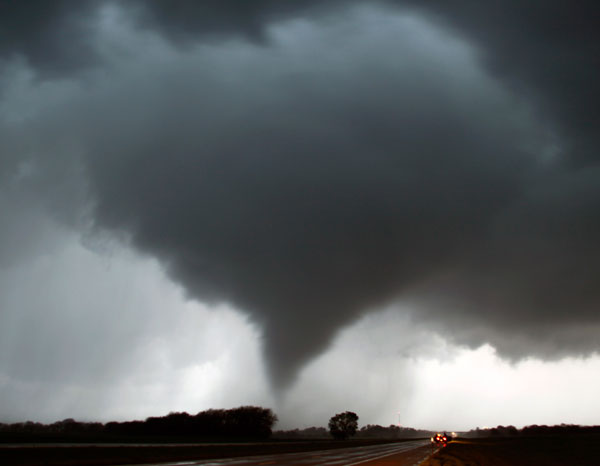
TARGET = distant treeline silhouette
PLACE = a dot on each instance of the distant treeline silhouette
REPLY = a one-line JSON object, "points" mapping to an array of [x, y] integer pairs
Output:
{"points": [[370, 431], [533, 431], [393, 431], [243, 422]]}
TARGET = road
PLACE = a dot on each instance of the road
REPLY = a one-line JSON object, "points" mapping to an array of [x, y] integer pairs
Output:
{"points": [[406, 453]]}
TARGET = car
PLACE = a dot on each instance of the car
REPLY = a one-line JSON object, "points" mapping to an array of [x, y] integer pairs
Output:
{"points": [[440, 439]]}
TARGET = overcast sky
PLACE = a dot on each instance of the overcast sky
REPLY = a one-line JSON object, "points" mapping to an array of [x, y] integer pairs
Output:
{"points": [[312, 206]]}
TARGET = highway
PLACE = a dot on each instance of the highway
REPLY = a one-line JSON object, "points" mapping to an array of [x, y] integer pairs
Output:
{"points": [[407, 453]]}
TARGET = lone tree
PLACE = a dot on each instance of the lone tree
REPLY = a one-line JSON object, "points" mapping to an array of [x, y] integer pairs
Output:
{"points": [[343, 425]]}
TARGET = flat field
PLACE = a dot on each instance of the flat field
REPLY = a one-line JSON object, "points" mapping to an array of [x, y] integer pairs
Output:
{"points": [[103, 454], [565, 450]]}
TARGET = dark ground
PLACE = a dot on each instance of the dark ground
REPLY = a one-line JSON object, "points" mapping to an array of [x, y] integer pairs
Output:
{"points": [[565, 450], [99, 454]]}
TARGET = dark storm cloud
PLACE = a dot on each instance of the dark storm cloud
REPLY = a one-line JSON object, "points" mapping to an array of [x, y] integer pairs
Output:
{"points": [[52, 35], [305, 192], [337, 165], [57, 36], [548, 50]]}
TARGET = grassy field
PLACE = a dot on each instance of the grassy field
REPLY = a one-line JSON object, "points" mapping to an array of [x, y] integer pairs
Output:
{"points": [[129, 454], [567, 450]]}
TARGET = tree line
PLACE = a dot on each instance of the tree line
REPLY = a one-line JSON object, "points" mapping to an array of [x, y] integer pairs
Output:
{"points": [[533, 431], [370, 431], [243, 422]]}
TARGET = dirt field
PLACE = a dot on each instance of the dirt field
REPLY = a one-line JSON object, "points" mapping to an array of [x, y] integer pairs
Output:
{"points": [[577, 450]]}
